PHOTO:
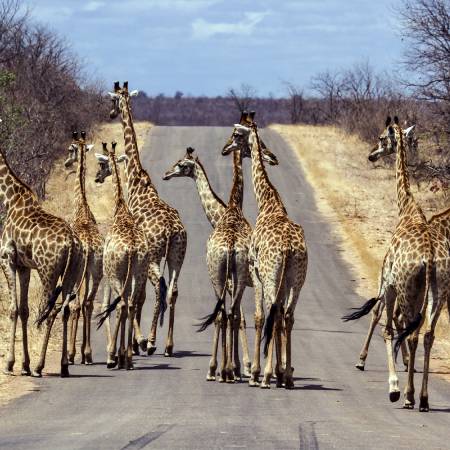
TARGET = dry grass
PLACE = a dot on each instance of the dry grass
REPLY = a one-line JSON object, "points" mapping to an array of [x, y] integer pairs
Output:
{"points": [[359, 200], [59, 201]]}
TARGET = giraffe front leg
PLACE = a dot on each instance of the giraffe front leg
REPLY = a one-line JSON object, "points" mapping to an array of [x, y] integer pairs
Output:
{"points": [[259, 323], [64, 357], [289, 324], [139, 341], [268, 370], [123, 312], [88, 307], [279, 351], [223, 361], [24, 313], [131, 312], [75, 309], [229, 373]]}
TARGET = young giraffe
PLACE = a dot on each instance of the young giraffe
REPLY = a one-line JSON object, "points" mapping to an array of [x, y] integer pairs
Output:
{"points": [[161, 223], [125, 261], [408, 270], [85, 227], [34, 239], [278, 262]]}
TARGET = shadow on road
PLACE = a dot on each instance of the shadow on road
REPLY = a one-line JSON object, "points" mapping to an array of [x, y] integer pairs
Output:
{"points": [[157, 367]]}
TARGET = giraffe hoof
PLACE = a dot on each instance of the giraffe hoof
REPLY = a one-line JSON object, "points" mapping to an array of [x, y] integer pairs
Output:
{"points": [[151, 349], [71, 361], [394, 396], [111, 364], [289, 384], [130, 366], [25, 372], [265, 385], [142, 344], [136, 349], [37, 373], [424, 407], [168, 351], [88, 360], [360, 365], [8, 372], [247, 371], [210, 377], [64, 371], [253, 383]]}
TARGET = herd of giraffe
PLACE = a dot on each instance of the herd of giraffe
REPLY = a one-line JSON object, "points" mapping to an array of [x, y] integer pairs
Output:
{"points": [[271, 258]]}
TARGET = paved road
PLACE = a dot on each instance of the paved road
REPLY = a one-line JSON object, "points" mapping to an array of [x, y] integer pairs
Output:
{"points": [[166, 402]]}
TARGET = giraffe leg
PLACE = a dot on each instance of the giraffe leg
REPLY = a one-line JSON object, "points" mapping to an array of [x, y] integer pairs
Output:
{"points": [[244, 342], [223, 361], [131, 312], [123, 312], [88, 307], [154, 276], [74, 317], [268, 370], [388, 335], [9, 269], [113, 358], [175, 260], [259, 323], [288, 379], [279, 370], [24, 313], [64, 357], [398, 325], [211, 375], [139, 341], [229, 373], [110, 363], [236, 329], [376, 316]]}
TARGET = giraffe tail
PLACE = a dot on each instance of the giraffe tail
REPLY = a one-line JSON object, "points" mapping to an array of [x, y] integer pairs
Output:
{"points": [[106, 312], [51, 302], [362, 311], [163, 288], [111, 307], [211, 318]]}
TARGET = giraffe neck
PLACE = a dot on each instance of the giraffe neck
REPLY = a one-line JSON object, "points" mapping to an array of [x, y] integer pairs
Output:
{"points": [[134, 171], [405, 199], [13, 190], [441, 222], [237, 191], [118, 193], [212, 204], [266, 194], [81, 205]]}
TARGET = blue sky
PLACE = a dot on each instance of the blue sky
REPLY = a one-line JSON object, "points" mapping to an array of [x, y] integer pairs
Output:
{"points": [[207, 46]]}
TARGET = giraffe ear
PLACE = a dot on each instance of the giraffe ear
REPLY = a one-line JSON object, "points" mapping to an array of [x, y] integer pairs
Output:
{"points": [[122, 158], [409, 130], [113, 95], [134, 93], [89, 147], [101, 158], [396, 120]]}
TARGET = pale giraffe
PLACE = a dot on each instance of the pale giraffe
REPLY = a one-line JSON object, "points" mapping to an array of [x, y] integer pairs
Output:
{"points": [[85, 227], [35, 239], [278, 264], [125, 261], [161, 223], [408, 270]]}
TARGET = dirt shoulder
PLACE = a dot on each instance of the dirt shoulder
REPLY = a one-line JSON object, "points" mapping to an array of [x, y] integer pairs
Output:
{"points": [[59, 201], [359, 199]]}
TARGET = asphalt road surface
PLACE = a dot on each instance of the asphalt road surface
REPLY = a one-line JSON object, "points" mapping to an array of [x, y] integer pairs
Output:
{"points": [[166, 402]]}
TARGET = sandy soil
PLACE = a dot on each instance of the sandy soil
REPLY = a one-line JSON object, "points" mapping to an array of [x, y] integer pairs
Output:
{"points": [[359, 199], [59, 201]]}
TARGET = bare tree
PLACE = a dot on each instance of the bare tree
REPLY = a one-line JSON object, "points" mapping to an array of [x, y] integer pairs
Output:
{"points": [[426, 25], [243, 97], [296, 101], [328, 86]]}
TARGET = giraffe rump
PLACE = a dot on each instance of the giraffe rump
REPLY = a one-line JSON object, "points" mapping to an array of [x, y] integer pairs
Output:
{"points": [[361, 311], [106, 313]]}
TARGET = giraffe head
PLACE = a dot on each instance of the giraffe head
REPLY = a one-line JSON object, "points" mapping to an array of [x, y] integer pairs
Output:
{"points": [[185, 167], [78, 144], [241, 139], [103, 159], [387, 142], [119, 98]]}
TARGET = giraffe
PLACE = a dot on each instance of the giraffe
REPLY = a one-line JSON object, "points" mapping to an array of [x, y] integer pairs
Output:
{"points": [[227, 221], [125, 261], [85, 227], [161, 223], [278, 262], [409, 269], [35, 239]]}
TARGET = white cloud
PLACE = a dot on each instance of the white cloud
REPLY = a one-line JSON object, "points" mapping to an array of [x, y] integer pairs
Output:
{"points": [[93, 6], [202, 29]]}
